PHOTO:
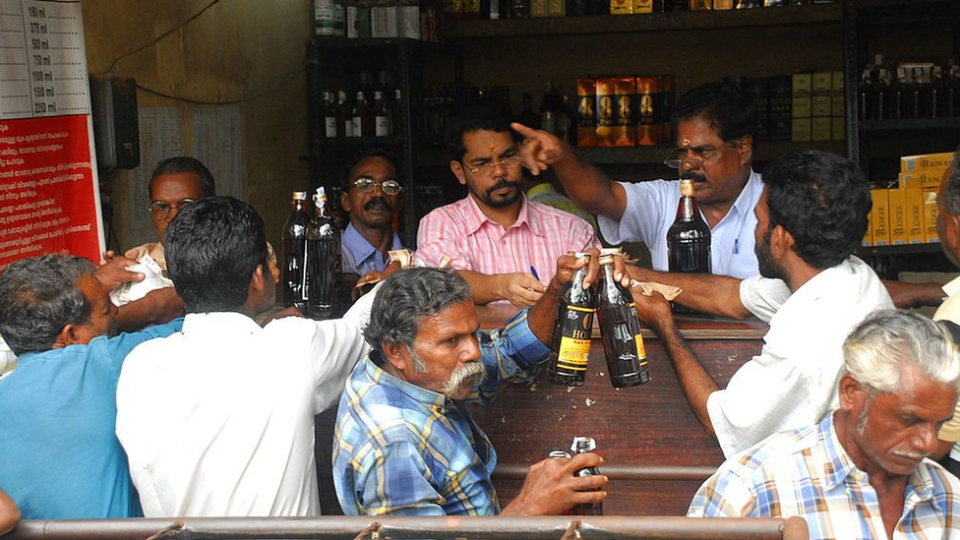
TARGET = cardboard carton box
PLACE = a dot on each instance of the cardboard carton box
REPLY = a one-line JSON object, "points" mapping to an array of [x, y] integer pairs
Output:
{"points": [[930, 212], [914, 211], [880, 217]]}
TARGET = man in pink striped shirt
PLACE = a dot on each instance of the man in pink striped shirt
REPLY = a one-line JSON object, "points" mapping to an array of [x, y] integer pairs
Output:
{"points": [[497, 238]]}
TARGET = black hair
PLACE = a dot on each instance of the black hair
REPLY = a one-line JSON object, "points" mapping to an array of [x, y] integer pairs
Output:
{"points": [[729, 110], [38, 297], [952, 188], [212, 248], [474, 119], [362, 155], [184, 164], [407, 296], [822, 200]]}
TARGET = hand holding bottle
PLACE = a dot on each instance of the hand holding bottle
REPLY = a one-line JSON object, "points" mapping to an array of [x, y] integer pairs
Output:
{"points": [[551, 487]]}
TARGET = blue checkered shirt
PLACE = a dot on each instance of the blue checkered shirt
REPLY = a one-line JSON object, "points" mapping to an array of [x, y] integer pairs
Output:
{"points": [[401, 449], [807, 473]]}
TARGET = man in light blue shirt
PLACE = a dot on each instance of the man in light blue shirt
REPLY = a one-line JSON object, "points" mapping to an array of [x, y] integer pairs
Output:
{"points": [[372, 197], [59, 456], [716, 126]]}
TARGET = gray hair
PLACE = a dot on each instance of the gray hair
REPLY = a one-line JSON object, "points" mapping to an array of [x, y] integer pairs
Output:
{"points": [[405, 298], [952, 189], [877, 350], [38, 297]]}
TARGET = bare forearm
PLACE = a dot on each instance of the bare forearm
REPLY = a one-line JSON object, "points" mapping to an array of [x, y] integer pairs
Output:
{"points": [[719, 295], [157, 307], [696, 383], [910, 295], [484, 288], [9, 513], [589, 187], [543, 315]]}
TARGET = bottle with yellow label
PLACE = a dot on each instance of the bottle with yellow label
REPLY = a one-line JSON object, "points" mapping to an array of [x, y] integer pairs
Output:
{"points": [[620, 328], [571, 335]]}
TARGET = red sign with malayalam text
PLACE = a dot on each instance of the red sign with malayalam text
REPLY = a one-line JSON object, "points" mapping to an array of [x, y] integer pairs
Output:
{"points": [[48, 191]]}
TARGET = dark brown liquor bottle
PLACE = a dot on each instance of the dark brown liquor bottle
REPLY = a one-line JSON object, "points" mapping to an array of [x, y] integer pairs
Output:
{"points": [[620, 328], [688, 240], [294, 245], [571, 334], [323, 258], [582, 445]]}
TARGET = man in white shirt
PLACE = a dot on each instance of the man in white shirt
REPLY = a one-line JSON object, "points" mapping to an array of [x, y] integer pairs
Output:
{"points": [[217, 420], [812, 291], [716, 125]]}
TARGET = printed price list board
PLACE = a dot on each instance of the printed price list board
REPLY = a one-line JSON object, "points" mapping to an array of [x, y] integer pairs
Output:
{"points": [[43, 69], [49, 195]]}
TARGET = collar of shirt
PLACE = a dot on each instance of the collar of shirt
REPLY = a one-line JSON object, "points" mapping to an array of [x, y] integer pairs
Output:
{"points": [[952, 288], [747, 199], [426, 397], [221, 322], [361, 248], [838, 466], [474, 218]]}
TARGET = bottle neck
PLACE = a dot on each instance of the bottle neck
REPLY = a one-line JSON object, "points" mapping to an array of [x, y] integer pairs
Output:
{"points": [[299, 205], [687, 208]]}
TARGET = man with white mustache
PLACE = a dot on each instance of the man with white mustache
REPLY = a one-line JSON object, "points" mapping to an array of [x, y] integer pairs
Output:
{"points": [[862, 472], [405, 443]]}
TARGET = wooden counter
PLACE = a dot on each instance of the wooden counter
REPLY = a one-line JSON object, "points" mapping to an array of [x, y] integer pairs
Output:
{"points": [[649, 425]]}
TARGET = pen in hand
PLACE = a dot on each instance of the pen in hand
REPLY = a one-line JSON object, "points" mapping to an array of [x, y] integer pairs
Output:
{"points": [[534, 272]]}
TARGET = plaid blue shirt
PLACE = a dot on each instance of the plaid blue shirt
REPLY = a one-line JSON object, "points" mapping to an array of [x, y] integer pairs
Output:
{"points": [[401, 449], [807, 473]]}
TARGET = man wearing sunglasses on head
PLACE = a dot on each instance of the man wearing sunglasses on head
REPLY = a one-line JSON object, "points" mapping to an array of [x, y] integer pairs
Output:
{"points": [[715, 125], [497, 239], [372, 197]]}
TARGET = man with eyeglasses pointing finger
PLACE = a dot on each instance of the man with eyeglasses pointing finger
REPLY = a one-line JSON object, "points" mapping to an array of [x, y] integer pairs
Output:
{"points": [[372, 197], [496, 238], [715, 125]]}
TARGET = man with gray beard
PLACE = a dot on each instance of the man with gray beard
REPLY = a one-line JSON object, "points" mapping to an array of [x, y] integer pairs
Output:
{"points": [[861, 472], [405, 443]]}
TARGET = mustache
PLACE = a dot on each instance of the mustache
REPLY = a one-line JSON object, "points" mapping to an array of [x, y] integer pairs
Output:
{"points": [[690, 175], [378, 203], [502, 183], [462, 374]]}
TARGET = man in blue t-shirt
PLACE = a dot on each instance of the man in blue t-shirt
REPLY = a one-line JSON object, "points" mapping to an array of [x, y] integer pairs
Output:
{"points": [[59, 456]]}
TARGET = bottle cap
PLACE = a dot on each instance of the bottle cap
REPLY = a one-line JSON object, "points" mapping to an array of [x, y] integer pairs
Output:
{"points": [[686, 187], [299, 195], [582, 256], [583, 444]]}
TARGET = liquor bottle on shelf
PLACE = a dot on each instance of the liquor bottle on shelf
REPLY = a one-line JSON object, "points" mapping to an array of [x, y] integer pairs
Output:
{"points": [[866, 94], [362, 119], [381, 116], [582, 445], [527, 117], [329, 116], [936, 92], [344, 115], [565, 129], [324, 15], [620, 328], [571, 335], [294, 245], [688, 239], [549, 108], [519, 9], [952, 92], [323, 259]]}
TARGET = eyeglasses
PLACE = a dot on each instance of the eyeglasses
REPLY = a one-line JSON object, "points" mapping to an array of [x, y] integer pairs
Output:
{"points": [[388, 187], [161, 210], [700, 155], [487, 168]]}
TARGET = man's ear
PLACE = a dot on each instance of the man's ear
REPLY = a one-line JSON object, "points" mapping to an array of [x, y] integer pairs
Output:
{"points": [[345, 201], [457, 169], [397, 356], [952, 225], [746, 150], [69, 335], [781, 242], [258, 279]]}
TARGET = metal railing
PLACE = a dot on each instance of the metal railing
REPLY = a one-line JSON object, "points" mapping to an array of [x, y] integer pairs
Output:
{"points": [[402, 528]]}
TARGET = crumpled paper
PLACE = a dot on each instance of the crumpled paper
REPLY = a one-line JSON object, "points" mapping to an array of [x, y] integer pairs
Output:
{"points": [[647, 288], [132, 291]]}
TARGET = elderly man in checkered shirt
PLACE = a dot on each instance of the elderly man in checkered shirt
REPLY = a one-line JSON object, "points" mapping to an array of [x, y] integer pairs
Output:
{"points": [[862, 472]]}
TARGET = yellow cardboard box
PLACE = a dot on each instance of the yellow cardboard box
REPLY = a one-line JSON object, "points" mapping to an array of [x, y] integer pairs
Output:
{"points": [[839, 128], [930, 212], [801, 129], [929, 179], [802, 98], [914, 211], [821, 102], [821, 128], [836, 108], [897, 206], [880, 217], [923, 162]]}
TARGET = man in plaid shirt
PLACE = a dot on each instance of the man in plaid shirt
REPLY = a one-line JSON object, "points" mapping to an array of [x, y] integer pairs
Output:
{"points": [[861, 473], [404, 442]]}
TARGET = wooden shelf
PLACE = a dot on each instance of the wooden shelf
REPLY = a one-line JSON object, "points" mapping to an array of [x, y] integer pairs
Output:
{"points": [[918, 124], [765, 151], [909, 249], [327, 42], [652, 22]]}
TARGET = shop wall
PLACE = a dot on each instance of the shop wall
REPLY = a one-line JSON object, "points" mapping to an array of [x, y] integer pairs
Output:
{"points": [[251, 51]]}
